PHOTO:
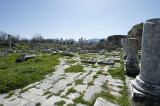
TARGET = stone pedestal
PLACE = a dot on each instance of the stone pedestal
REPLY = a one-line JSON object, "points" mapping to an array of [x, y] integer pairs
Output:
{"points": [[132, 62], [146, 87], [9, 40]]}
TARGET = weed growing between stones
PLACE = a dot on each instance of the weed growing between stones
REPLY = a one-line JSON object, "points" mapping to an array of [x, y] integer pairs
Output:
{"points": [[80, 100], [93, 66], [38, 104], [75, 68], [60, 103], [1, 104], [78, 81], [59, 92], [24, 90], [9, 94], [69, 84], [71, 90], [100, 72], [50, 95], [71, 61], [17, 75], [47, 92], [91, 83]]}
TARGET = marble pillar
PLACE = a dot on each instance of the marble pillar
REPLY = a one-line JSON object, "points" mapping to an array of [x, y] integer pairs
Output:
{"points": [[66, 42], [126, 45], [132, 62], [145, 89], [62, 42], [9, 40]]}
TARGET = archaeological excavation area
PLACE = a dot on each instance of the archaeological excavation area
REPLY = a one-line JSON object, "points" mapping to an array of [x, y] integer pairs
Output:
{"points": [[123, 70]]}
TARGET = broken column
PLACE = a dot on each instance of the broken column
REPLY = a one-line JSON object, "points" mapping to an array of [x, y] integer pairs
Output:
{"points": [[146, 87], [66, 42], [132, 62], [62, 42], [9, 40], [126, 45]]}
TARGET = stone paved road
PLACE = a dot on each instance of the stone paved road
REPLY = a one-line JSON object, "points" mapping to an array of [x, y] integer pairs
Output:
{"points": [[58, 83]]}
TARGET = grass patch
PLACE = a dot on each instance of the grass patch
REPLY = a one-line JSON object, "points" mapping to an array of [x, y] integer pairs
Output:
{"points": [[78, 81], [50, 95], [47, 92], [95, 76], [59, 92], [91, 83], [100, 72], [71, 61], [80, 100], [1, 104], [75, 68], [17, 75], [71, 105], [60, 103], [38, 104], [105, 95], [24, 90], [93, 66], [71, 90], [9, 95], [117, 73], [69, 84]]}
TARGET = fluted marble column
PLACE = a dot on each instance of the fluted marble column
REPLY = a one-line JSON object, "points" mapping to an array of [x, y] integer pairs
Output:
{"points": [[146, 87]]}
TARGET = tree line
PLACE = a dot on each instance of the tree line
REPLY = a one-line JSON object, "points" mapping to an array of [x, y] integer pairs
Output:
{"points": [[37, 38]]}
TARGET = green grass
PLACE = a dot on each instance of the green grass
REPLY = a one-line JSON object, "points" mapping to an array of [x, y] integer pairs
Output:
{"points": [[86, 56], [93, 66], [95, 76], [71, 90], [9, 94], [24, 90], [18, 75], [60, 103], [71, 61], [75, 68], [69, 84], [91, 83], [80, 100], [100, 72], [78, 81], [59, 92], [23, 45], [38, 104], [71, 104], [47, 92], [50, 95]]}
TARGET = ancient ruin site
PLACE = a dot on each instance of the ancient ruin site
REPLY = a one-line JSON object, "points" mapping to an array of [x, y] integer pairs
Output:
{"points": [[72, 60]]}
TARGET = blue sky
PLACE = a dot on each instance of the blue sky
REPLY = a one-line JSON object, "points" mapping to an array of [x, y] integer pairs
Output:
{"points": [[74, 18]]}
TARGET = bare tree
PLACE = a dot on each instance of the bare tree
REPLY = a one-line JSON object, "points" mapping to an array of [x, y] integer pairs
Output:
{"points": [[3, 36], [37, 38]]}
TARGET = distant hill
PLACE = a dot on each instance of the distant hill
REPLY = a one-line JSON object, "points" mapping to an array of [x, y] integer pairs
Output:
{"points": [[96, 40]]}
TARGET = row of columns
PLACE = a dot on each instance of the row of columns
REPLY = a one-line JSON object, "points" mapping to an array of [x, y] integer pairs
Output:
{"points": [[145, 88]]}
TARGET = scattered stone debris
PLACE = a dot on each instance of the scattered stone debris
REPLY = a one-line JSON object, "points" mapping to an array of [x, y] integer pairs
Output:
{"points": [[24, 57]]}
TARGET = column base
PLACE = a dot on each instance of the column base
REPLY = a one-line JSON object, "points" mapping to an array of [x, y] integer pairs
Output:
{"points": [[144, 94], [132, 67]]}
